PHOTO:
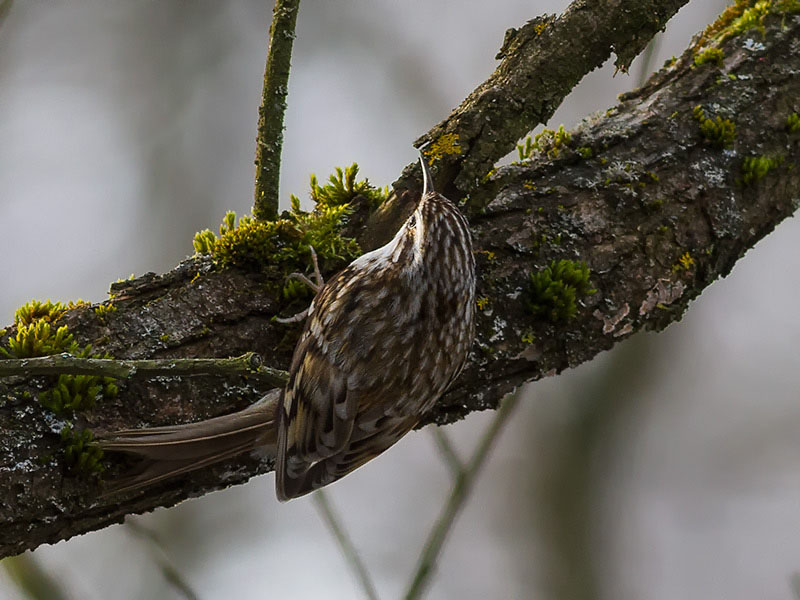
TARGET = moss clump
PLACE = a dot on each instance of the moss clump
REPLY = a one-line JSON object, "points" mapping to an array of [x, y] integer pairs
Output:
{"points": [[787, 6], [82, 454], [709, 55], [793, 123], [103, 311], [36, 310], [585, 152], [743, 16], [342, 188], [750, 18], [39, 339], [554, 291], [549, 143], [754, 168], [73, 393], [36, 333], [282, 246], [719, 132]]}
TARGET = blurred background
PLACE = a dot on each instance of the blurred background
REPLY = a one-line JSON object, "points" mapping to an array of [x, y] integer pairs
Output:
{"points": [[664, 469]]}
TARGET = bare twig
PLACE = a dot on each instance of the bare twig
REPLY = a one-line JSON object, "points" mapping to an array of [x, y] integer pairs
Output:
{"points": [[160, 556], [345, 544], [273, 105], [248, 364], [461, 490], [449, 454]]}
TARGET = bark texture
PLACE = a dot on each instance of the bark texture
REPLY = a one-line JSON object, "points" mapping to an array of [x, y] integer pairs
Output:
{"points": [[657, 211]]}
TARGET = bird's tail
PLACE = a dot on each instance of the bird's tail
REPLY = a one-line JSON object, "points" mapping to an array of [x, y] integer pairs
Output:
{"points": [[172, 450]]}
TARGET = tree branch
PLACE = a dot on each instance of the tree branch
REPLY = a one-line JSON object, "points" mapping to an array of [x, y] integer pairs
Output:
{"points": [[542, 62], [248, 364], [656, 209], [269, 141]]}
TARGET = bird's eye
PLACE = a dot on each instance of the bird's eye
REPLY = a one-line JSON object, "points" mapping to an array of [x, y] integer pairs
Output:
{"points": [[412, 222]]}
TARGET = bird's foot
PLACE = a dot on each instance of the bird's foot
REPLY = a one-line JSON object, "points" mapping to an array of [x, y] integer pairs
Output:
{"points": [[314, 286]]}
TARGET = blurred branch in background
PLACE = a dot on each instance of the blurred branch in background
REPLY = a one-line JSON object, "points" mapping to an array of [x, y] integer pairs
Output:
{"points": [[31, 579], [161, 558], [5, 8], [464, 481], [448, 452], [269, 141], [348, 550], [567, 482]]}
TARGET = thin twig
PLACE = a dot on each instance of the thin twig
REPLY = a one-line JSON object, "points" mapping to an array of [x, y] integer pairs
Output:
{"points": [[458, 495], [269, 140], [160, 556], [247, 364], [345, 544], [447, 451]]}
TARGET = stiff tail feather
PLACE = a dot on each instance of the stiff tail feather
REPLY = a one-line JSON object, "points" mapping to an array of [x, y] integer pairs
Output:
{"points": [[172, 450]]}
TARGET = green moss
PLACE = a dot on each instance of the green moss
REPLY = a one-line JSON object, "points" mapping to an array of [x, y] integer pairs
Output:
{"points": [[745, 15], [709, 55], [525, 150], [787, 6], [750, 18], [549, 143], [204, 242], [554, 291], [793, 123], [39, 339], [36, 310], [103, 311], [72, 393], [342, 188], [754, 168], [281, 246], [37, 335], [82, 455], [585, 151], [719, 132]]}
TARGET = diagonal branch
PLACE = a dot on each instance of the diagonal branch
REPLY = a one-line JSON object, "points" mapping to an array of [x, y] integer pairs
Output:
{"points": [[542, 62], [653, 205]]}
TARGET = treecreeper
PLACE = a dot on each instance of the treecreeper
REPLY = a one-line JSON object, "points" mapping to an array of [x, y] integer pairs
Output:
{"points": [[383, 339]]}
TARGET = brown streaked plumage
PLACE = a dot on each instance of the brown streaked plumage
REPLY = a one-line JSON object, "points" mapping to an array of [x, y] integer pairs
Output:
{"points": [[383, 340]]}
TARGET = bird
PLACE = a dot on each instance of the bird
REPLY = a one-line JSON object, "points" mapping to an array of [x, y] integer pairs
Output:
{"points": [[383, 340]]}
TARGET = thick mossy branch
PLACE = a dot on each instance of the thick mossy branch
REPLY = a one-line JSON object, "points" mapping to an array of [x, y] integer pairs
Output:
{"points": [[540, 63], [655, 211]]}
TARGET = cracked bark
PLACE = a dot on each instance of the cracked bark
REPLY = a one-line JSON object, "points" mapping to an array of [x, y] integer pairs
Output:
{"points": [[652, 191]]}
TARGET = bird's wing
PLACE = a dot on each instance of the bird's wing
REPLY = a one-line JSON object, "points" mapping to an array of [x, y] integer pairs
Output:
{"points": [[316, 413]]}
